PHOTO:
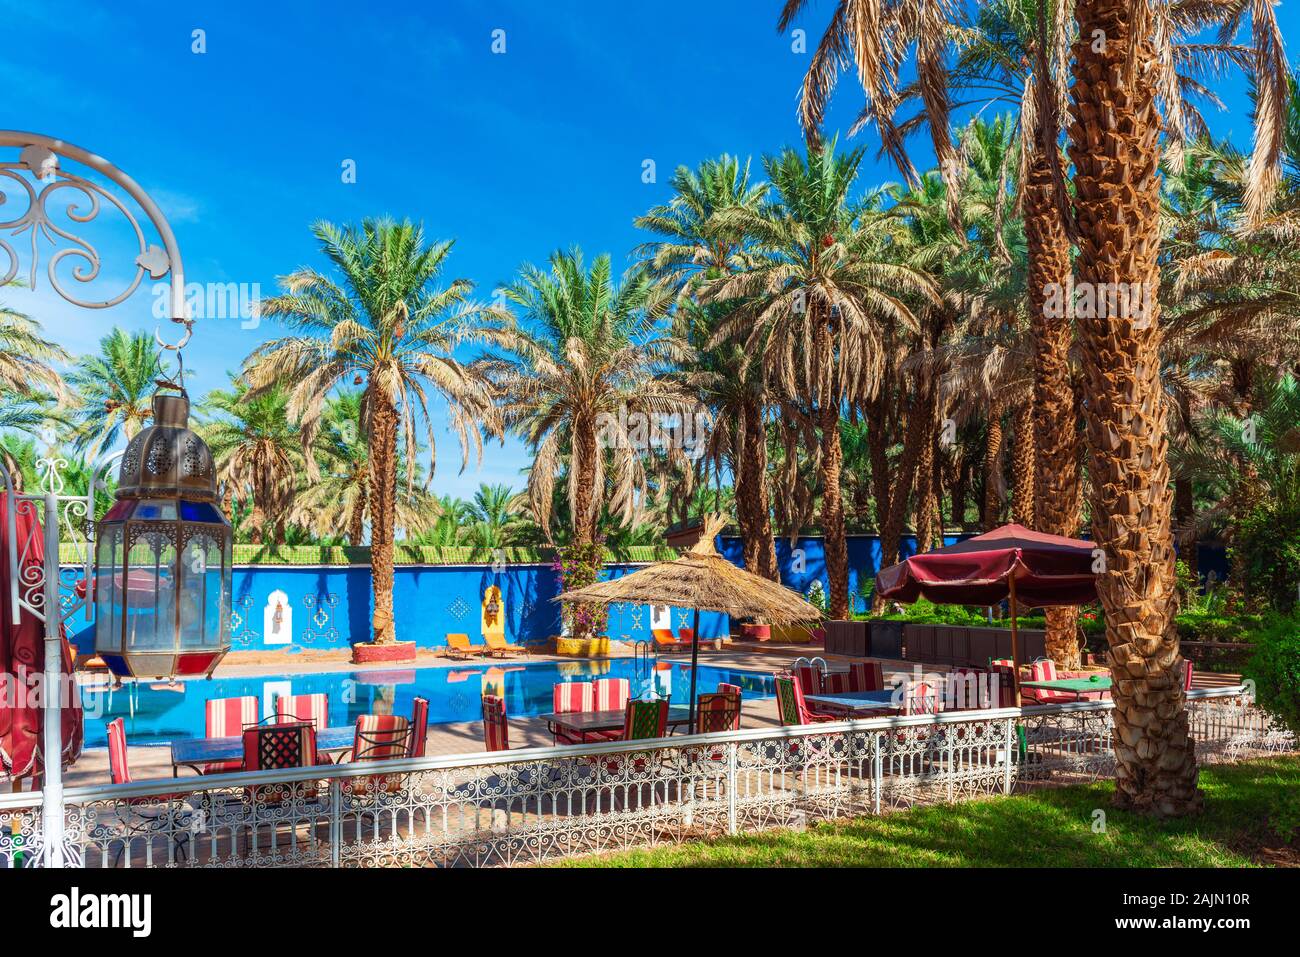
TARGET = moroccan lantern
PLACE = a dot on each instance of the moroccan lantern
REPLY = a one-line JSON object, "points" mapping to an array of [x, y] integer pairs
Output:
{"points": [[162, 556]]}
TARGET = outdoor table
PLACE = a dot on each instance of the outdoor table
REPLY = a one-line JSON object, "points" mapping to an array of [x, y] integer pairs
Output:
{"points": [[1076, 686], [587, 722], [196, 752], [852, 701]]}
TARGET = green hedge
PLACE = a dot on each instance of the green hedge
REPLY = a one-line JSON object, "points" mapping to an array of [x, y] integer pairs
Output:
{"points": [[404, 554]]}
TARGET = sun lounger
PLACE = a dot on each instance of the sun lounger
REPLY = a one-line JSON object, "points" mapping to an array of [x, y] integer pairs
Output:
{"points": [[459, 648], [498, 647]]}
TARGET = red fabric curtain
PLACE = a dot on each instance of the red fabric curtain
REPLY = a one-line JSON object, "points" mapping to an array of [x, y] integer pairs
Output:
{"points": [[22, 658]]}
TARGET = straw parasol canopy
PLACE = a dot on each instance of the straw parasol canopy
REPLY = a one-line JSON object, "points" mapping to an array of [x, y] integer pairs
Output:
{"points": [[702, 579]]}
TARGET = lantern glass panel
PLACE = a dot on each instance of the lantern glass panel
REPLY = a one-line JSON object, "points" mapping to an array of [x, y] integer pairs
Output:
{"points": [[151, 590], [202, 593], [109, 579]]}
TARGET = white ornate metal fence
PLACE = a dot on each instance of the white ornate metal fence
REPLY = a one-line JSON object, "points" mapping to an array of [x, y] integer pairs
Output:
{"points": [[536, 804]]}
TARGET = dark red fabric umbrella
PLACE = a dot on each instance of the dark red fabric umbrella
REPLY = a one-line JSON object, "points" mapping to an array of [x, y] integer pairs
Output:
{"points": [[1013, 563], [22, 660], [1032, 568]]}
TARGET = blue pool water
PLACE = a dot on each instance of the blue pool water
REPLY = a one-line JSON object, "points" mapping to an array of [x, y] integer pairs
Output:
{"points": [[158, 714]]}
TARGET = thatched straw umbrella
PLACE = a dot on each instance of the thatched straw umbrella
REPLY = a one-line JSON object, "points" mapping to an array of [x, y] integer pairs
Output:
{"points": [[703, 580]]}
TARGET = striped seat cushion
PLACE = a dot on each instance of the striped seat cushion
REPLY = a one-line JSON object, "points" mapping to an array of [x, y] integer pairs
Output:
{"points": [[118, 770], [866, 676], [496, 729], [570, 696], [611, 694], [809, 678], [419, 727], [304, 707], [227, 718], [1044, 670], [836, 682], [380, 737]]}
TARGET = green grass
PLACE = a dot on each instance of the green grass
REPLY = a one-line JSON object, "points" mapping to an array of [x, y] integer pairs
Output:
{"points": [[1251, 815]]}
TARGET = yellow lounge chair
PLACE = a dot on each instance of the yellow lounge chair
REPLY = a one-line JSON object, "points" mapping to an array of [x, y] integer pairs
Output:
{"points": [[498, 647], [458, 647]]}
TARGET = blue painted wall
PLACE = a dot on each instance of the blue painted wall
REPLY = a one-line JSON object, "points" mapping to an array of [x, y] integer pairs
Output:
{"points": [[331, 606]]}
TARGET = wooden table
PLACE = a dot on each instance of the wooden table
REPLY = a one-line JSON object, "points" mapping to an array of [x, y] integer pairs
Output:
{"points": [[852, 701], [582, 723], [1076, 686], [196, 752]]}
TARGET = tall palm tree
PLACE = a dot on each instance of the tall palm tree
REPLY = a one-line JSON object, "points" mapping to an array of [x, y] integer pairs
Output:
{"points": [[379, 321], [697, 246], [114, 391], [1114, 148], [340, 496], [819, 289], [495, 512], [576, 376]]}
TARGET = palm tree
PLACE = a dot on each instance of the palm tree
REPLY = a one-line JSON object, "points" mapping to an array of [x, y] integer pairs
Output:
{"points": [[26, 357], [114, 391], [378, 321], [495, 513], [1117, 203], [697, 246], [577, 381], [258, 454], [818, 290]]}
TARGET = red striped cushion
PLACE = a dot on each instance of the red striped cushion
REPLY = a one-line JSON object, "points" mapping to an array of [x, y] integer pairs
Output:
{"points": [[809, 679], [117, 764], [866, 676], [227, 717], [611, 694], [496, 729], [380, 737], [571, 696], [305, 707], [419, 726], [836, 682], [1043, 670]]}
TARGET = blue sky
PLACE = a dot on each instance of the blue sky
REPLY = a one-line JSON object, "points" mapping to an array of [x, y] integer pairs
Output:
{"points": [[513, 155]]}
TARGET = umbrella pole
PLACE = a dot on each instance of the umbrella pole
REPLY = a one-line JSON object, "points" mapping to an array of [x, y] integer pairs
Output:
{"points": [[695, 662], [1015, 639]]}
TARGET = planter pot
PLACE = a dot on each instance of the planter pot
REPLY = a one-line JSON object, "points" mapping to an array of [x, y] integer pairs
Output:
{"points": [[756, 632], [582, 647], [367, 652]]}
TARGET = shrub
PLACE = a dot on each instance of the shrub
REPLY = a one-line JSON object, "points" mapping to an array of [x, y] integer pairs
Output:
{"points": [[1274, 666]]}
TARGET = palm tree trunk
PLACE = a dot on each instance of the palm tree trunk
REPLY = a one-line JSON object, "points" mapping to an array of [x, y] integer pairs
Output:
{"points": [[752, 506], [832, 461], [991, 513], [383, 458], [585, 451], [914, 434], [357, 517], [1114, 147], [1056, 465], [1022, 467], [924, 491]]}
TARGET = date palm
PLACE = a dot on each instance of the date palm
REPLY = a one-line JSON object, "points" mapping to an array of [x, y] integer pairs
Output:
{"points": [[697, 246], [818, 289], [585, 363], [27, 358], [114, 391], [379, 320], [258, 454]]}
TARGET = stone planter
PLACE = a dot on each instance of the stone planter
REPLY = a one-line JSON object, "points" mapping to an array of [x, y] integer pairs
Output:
{"points": [[583, 647], [367, 652], [752, 632]]}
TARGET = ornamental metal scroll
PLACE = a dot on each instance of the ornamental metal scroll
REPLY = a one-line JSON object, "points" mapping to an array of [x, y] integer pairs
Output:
{"points": [[40, 177]]}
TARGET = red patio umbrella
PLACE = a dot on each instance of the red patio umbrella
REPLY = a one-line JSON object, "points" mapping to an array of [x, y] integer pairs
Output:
{"points": [[22, 660], [1012, 562]]}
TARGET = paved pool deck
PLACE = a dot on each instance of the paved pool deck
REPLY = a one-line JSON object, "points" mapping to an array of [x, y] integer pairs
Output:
{"points": [[467, 737]]}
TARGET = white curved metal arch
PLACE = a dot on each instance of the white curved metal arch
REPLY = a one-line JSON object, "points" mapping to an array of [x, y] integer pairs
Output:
{"points": [[175, 270]]}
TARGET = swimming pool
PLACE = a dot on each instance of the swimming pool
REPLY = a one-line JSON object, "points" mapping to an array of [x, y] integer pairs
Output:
{"points": [[159, 714]]}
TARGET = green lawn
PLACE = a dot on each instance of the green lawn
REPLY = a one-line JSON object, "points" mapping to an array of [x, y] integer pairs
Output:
{"points": [[1252, 817]]}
